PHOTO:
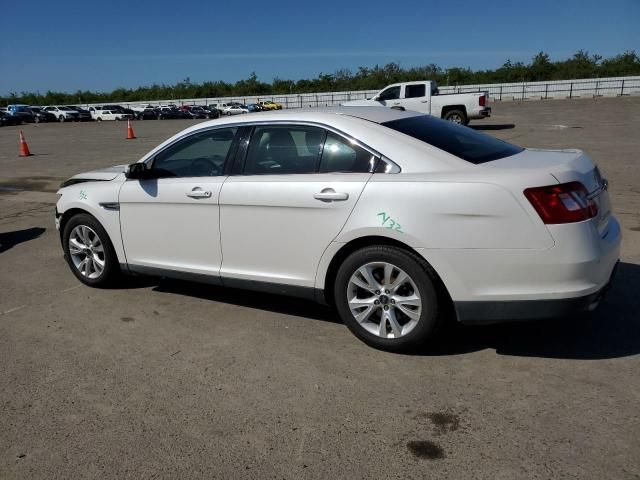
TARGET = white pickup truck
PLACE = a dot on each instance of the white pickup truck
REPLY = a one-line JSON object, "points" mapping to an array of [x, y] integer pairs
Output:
{"points": [[423, 97]]}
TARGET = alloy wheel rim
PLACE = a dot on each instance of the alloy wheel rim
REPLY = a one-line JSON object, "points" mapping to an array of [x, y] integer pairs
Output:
{"points": [[86, 251], [384, 300]]}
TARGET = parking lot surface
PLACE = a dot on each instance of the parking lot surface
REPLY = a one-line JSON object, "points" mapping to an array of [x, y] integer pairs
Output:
{"points": [[167, 379]]}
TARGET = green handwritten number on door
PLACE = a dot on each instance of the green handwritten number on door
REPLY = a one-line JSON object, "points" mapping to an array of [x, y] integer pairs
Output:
{"points": [[393, 225]]}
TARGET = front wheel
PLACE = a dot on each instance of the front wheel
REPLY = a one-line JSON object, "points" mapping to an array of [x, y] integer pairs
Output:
{"points": [[89, 252], [387, 297], [61, 118]]}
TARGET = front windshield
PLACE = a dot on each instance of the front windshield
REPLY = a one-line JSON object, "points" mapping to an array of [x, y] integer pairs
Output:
{"points": [[66, 109]]}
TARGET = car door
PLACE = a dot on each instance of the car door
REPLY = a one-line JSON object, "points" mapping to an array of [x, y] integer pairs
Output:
{"points": [[416, 97], [170, 221], [295, 190]]}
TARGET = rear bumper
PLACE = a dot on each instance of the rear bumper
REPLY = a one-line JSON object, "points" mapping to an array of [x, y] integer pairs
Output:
{"points": [[489, 286], [484, 113], [485, 313]]}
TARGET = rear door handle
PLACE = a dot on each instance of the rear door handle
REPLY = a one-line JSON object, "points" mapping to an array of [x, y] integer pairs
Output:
{"points": [[330, 195], [198, 193]]}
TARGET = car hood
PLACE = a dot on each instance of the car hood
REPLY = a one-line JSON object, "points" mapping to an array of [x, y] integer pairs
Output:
{"points": [[108, 173]]}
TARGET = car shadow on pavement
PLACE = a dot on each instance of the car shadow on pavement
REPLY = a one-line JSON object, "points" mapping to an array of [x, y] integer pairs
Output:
{"points": [[244, 298], [11, 239], [611, 331], [496, 126]]}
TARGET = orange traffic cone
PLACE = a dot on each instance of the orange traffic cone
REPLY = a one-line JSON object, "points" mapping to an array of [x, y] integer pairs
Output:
{"points": [[24, 148], [130, 135]]}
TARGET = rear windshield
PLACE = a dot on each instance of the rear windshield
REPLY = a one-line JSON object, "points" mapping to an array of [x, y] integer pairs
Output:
{"points": [[463, 142]]}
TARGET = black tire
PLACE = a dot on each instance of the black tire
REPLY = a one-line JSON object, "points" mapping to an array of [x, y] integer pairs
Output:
{"points": [[111, 266], [456, 116], [424, 278]]}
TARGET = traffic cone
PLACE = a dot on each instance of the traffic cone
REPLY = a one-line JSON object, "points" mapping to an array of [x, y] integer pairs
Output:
{"points": [[24, 148], [130, 135]]}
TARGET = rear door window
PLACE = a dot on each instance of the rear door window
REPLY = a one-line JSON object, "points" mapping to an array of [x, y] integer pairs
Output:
{"points": [[414, 91]]}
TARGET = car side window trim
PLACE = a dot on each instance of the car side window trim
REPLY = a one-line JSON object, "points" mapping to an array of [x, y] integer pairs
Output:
{"points": [[238, 167]]}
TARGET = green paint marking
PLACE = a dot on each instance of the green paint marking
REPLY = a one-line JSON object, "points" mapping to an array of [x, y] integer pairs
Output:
{"points": [[393, 225], [83, 195]]}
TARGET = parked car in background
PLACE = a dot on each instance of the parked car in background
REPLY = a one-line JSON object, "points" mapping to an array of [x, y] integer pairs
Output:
{"points": [[195, 111], [254, 107], [269, 105], [212, 112], [166, 113], [22, 111], [63, 114], [424, 97], [234, 110], [146, 114], [121, 109], [102, 115], [41, 115], [83, 114], [7, 119]]}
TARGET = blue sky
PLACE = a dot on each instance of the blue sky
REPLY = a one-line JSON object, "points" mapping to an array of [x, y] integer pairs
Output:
{"points": [[70, 45]]}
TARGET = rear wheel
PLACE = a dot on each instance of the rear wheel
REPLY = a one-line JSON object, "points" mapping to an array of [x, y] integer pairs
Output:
{"points": [[89, 252], [456, 116], [387, 297]]}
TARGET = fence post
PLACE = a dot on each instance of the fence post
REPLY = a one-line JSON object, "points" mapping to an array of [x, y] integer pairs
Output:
{"points": [[523, 87], [622, 88], [597, 85], [500, 92], [546, 90], [571, 90]]}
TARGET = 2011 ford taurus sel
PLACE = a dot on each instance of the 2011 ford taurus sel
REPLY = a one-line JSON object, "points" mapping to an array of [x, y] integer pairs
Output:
{"points": [[394, 217]]}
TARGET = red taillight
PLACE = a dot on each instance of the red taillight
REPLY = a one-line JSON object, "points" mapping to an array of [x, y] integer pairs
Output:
{"points": [[482, 101], [565, 203]]}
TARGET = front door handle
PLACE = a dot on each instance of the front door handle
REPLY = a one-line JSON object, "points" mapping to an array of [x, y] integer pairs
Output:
{"points": [[199, 193], [330, 195]]}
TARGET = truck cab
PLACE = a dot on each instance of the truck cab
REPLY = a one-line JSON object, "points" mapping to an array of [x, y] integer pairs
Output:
{"points": [[424, 97]]}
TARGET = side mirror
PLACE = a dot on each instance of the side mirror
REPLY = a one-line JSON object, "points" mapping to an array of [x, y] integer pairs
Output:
{"points": [[376, 98], [137, 171]]}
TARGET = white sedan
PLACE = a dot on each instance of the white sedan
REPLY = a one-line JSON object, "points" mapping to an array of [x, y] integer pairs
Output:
{"points": [[101, 115], [234, 110], [399, 219]]}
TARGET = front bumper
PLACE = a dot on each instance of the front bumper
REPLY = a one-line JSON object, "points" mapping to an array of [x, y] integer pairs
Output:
{"points": [[57, 220]]}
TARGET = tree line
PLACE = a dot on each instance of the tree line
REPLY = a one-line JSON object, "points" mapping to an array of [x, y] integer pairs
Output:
{"points": [[540, 68]]}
